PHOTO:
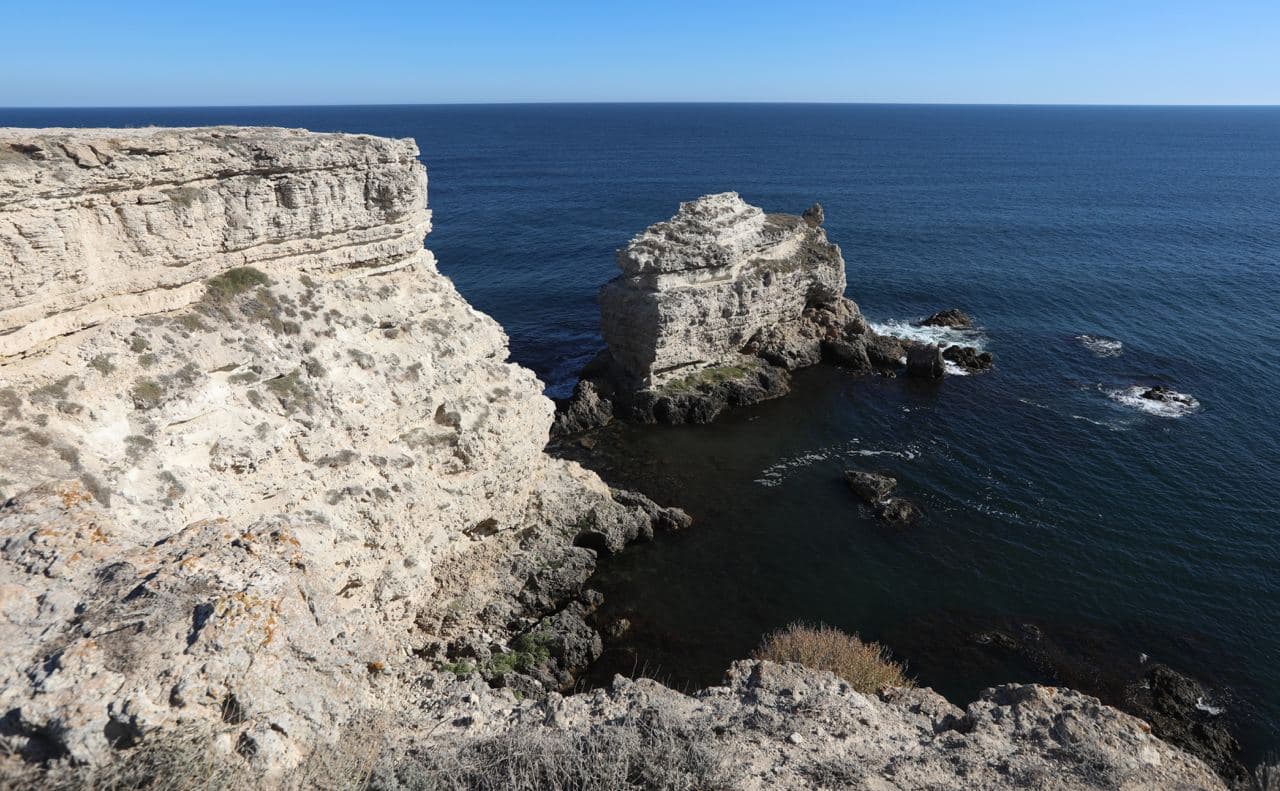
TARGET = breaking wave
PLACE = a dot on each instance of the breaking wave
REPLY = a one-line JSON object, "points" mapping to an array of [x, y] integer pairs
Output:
{"points": [[1101, 347], [1174, 405], [943, 336]]}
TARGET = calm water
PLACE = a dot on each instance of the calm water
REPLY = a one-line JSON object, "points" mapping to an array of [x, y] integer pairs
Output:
{"points": [[1051, 499]]}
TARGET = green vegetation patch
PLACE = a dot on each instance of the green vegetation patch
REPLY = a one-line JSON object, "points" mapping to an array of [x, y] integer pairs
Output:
{"points": [[222, 288], [291, 391], [529, 651], [710, 377]]}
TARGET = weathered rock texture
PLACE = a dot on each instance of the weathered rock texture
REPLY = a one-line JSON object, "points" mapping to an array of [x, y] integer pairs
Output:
{"points": [[712, 310], [785, 727], [696, 288], [268, 500], [259, 492], [95, 225]]}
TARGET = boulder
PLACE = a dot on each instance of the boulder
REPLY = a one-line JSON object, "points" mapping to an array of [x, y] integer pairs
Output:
{"points": [[814, 215], [924, 361], [969, 358], [952, 317], [870, 486], [1168, 395], [898, 512]]}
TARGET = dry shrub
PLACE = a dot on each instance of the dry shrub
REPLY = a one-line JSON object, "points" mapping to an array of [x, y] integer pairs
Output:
{"points": [[639, 753], [866, 666]]}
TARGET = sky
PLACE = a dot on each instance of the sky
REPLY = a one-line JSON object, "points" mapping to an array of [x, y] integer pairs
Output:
{"points": [[235, 52]]}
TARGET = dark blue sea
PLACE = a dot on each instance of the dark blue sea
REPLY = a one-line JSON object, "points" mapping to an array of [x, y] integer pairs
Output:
{"points": [[1100, 249]]}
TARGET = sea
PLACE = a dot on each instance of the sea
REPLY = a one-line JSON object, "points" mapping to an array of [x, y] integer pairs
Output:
{"points": [[1074, 532]]}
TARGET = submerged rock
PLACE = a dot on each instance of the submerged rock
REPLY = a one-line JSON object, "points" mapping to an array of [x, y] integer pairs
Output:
{"points": [[952, 317], [870, 486], [1168, 395], [898, 511], [969, 358]]}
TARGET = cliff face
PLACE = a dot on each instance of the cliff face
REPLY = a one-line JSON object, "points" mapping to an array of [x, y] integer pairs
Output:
{"points": [[99, 225], [251, 434], [713, 308], [262, 470]]}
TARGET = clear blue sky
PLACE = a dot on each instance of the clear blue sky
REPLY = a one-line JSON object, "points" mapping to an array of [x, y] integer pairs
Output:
{"points": [[97, 52]]}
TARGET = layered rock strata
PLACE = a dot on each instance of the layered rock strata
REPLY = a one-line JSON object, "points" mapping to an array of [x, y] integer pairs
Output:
{"points": [[259, 455], [713, 308]]}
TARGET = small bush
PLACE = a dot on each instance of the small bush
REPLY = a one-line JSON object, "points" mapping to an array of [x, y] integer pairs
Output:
{"points": [[233, 282], [866, 666], [146, 393]]}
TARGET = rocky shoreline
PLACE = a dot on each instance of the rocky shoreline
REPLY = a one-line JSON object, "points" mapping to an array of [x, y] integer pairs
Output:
{"points": [[716, 306], [266, 476]]}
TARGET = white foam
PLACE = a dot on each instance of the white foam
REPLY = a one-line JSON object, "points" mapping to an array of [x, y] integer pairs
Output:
{"points": [[951, 369], [1181, 406], [1100, 346], [1208, 708], [776, 473], [943, 336]]}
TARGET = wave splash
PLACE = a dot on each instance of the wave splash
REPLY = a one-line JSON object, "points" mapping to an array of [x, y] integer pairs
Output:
{"points": [[1173, 405], [1100, 346], [942, 336]]}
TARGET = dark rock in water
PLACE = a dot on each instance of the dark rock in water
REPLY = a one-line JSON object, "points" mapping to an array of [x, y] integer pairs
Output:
{"points": [[969, 358], [814, 215], [703, 395], [1178, 710], [870, 486], [953, 317], [898, 512], [924, 361], [848, 354], [885, 352], [584, 410], [1167, 395]]}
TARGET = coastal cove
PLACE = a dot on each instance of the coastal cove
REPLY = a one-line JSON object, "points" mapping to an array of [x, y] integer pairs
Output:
{"points": [[1100, 250]]}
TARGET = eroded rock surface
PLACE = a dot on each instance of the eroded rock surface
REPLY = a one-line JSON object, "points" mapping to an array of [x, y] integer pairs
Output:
{"points": [[265, 472], [712, 309], [774, 726], [272, 489]]}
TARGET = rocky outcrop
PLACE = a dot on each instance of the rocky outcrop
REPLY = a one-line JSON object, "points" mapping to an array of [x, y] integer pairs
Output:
{"points": [[876, 489], [925, 361], [774, 726], [96, 225], [261, 460], [952, 317], [713, 308]]}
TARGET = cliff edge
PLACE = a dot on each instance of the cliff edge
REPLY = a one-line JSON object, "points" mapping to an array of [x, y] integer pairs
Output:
{"points": [[266, 476]]}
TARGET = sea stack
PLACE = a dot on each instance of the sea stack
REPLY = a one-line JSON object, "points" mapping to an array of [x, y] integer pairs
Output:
{"points": [[712, 308]]}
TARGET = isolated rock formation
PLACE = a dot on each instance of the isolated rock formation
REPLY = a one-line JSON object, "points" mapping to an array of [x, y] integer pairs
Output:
{"points": [[712, 309], [269, 489], [952, 317]]}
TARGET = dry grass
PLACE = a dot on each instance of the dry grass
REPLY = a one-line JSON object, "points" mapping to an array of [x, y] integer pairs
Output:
{"points": [[866, 666], [640, 753]]}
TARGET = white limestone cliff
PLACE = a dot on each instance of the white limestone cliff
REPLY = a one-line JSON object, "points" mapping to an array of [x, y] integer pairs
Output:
{"points": [[262, 469], [261, 454]]}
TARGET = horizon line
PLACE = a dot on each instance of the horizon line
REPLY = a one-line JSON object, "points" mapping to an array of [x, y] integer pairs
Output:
{"points": [[521, 102]]}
